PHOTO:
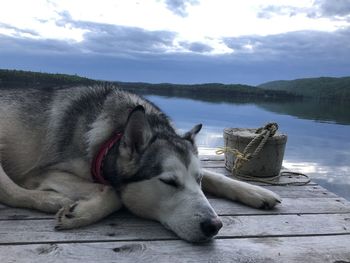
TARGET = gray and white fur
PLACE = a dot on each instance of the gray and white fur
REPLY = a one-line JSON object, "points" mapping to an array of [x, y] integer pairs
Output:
{"points": [[48, 139]]}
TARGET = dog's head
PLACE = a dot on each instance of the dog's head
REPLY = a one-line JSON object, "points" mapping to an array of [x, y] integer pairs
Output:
{"points": [[162, 178]]}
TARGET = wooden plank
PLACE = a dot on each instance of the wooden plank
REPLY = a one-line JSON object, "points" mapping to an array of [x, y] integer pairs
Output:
{"points": [[282, 179], [304, 191], [133, 228], [288, 206], [206, 153], [285, 225], [332, 249], [213, 164], [10, 213], [204, 158], [218, 165], [314, 205]]}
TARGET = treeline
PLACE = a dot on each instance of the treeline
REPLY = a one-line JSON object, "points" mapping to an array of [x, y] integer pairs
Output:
{"points": [[324, 88], [23, 79], [208, 92]]}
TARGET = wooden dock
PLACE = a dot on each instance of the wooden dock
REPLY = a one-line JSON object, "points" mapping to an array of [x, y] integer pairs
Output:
{"points": [[311, 225]]}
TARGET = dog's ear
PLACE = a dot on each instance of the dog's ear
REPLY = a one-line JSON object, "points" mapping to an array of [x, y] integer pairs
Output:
{"points": [[137, 133], [190, 135]]}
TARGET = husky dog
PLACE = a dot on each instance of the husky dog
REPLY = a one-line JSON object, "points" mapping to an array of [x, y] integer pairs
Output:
{"points": [[85, 152]]}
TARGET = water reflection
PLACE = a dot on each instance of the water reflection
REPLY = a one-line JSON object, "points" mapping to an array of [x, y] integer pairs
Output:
{"points": [[317, 144]]}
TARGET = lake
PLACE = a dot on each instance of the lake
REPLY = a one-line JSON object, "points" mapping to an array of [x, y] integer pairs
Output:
{"points": [[318, 133]]}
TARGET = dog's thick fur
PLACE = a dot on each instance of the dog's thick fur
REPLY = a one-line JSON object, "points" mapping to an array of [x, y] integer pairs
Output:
{"points": [[48, 139]]}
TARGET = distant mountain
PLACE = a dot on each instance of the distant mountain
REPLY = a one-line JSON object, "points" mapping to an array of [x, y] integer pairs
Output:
{"points": [[318, 88]]}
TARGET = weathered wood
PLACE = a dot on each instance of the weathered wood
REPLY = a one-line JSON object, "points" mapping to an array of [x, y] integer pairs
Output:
{"points": [[285, 225], [288, 206], [10, 213], [206, 153], [204, 158], [333, 249], [305, 191], [267, 162], [133, 228], [218, 165], [282, 179], [318, 205], [213, 164]]}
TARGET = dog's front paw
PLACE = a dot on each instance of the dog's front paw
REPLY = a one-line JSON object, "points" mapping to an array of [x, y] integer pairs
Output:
{"points": [[261, 198], [68, 217]]}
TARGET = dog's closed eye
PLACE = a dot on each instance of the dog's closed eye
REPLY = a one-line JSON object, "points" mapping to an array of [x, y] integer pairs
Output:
{"points": [[170, 182]]}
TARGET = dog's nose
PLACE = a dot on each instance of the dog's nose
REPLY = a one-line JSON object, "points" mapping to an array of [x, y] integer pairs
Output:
{"points": [[211, 227]]}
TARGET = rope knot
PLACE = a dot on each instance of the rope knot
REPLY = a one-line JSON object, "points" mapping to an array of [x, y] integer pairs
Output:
{"points": [[271, 127]]}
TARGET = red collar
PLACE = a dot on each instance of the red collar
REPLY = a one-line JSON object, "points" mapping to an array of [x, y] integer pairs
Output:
{"points": [[96, 166]]}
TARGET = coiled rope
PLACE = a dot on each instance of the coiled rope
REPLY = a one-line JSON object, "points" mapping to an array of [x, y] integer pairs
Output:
{"points": [[264, 133]]}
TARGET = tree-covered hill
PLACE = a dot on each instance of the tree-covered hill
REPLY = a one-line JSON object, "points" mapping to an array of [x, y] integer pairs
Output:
{"points": [[323, 88], [29, 79], [207, 91], [317, 88]]}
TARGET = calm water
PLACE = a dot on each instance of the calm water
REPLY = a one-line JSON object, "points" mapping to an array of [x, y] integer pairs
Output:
{"points": [[318, 134]]}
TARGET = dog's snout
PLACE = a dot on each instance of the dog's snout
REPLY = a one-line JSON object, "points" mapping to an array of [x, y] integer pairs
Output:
{"points": [[211, 227]]}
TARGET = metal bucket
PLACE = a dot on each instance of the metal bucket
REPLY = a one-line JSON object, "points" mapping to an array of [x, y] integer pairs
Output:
{"points": [[267, 163]]}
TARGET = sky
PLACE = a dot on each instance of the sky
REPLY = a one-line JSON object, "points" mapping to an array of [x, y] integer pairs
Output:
{"points": [[178, 41]]}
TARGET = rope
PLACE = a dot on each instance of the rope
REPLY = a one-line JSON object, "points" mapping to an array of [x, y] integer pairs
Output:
{"points": [[274, 180], [265, 132]]}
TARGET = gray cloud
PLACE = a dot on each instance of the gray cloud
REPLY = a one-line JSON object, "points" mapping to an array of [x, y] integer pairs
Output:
{"points": [[334, 7], [269, 11], [321, 8], [179, 7], [9, 44], [117, 40], [18, 31], [300, 45], [196, 47]]}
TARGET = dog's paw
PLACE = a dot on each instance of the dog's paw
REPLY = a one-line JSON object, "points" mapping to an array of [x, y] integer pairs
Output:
{"points": [[68, 217], [261, 198]]}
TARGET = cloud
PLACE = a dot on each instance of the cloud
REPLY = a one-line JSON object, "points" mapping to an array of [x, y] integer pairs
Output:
{"points": [[25, 45], [284, 56], [334, 8], [320, 8], [179, 7], [119, 40], [299, 45], [115, 52], [19, 31], [270, 11], [196, 47]]}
